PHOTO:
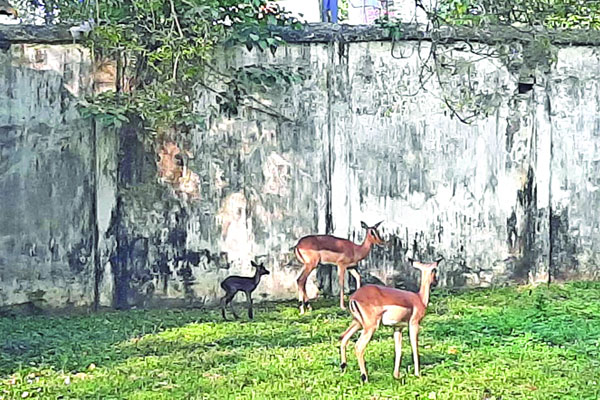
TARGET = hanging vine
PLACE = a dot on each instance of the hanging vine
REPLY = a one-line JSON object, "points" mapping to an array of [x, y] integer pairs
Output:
{"points": [[451, 63], [163, 52]]}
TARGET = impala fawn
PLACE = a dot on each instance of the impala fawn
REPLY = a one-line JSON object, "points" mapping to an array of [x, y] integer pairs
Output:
{"points": [[234, 284]]}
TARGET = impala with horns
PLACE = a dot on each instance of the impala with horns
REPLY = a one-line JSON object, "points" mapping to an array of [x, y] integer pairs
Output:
{"points": [[372, 305], [327, 249]]}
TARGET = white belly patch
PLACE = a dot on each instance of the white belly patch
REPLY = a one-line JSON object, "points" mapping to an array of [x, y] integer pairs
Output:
{"points": [[393, 315]]}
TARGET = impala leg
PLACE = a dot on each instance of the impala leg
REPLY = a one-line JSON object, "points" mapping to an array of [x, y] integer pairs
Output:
{"points": [[225, 300], [341, 273], [356, 276], [223, 307], [398, 345], [249, 302], [354, 326], [414, 342], [361, 345], [302, 296], [232, 309]]}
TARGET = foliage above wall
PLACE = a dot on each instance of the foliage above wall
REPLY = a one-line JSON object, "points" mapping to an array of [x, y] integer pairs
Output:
{"points": [[164, 51], [553, 14], [164, 54], [450, 63]]}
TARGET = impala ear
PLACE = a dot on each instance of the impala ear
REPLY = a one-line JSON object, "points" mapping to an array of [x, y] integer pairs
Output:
{"points": [[416, 264], [255, 265], [439, 260], [363, 225], [377, 224]]}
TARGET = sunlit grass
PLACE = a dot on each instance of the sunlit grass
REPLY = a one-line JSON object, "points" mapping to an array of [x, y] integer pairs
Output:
{"points": [[509, 343]]}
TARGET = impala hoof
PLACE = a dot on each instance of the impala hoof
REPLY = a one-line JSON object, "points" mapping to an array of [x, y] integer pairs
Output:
{"points": [[343, 366], [364, 378], [305, 306]]}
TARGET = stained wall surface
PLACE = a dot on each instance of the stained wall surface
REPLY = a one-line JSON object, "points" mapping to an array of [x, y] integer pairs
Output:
{"points": [[91, 216], [47, 209]]}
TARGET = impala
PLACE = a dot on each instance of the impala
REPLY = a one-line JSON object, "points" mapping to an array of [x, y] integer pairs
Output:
{"points": [[373, 304], [327, 249], [234, 284]]}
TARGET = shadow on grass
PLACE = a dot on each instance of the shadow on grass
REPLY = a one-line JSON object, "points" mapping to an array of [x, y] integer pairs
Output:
{"points": [[73, 343], [552, 317]]}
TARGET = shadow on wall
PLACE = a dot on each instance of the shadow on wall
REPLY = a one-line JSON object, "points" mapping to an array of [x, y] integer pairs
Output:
{"points": [[388, 264], [145, 268]]}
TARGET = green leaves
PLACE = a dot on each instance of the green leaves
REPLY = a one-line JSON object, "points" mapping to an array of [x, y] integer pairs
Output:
{"points": [[562, 14], [509, 343], [107, 110], [163, 49]]}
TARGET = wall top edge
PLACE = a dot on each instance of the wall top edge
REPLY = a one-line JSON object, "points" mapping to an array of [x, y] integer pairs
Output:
{"points": [[328, 32]]}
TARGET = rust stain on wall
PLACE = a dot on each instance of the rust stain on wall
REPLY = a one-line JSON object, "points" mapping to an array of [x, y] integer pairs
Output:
{"points": [[172, 170], [105, 75]]}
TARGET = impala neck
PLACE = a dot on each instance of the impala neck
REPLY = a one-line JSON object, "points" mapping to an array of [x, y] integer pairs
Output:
{"points": [[364, 248], [425, 287], [256, 277]]}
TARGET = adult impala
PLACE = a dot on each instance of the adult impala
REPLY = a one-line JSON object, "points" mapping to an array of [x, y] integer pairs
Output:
{"points": [[372, 305], [326, 249]]}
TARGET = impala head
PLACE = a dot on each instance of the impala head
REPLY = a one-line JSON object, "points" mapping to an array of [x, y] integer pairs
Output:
{"points": [[260, 268], [372, 232], [428, 270]]}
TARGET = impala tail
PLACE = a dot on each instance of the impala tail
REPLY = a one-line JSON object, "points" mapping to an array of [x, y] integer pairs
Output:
{"points": [[355, 310], [299, 256]]}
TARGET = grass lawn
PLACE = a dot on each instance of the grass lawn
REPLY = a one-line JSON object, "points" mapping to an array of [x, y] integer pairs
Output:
{"points": [[509, 343]]}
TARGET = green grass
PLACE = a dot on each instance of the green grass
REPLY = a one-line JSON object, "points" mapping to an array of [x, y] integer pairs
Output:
{"points": [[509, 343]]}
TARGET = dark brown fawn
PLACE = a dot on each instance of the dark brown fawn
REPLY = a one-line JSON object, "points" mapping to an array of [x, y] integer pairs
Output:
{"points": [[373, 305], [327, 249], [234, 284]]}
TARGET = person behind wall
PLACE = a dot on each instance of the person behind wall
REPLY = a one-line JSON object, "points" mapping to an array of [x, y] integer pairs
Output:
{"points": [[330, 11]]}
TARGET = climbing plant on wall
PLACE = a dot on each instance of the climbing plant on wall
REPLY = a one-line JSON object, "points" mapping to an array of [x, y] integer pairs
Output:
{"points": [[516, 34], [164, 51], [564, 14]]}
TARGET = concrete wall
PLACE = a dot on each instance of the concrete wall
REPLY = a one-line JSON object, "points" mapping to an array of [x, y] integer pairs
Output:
{"points": [[508, 198], [47, 210]]}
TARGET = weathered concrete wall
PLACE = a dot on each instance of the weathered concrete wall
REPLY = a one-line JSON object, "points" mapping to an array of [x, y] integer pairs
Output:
{"points": [[468, 193], [47, 213], [262, 186], [508, 198], [360, 149], [574, 122]]}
